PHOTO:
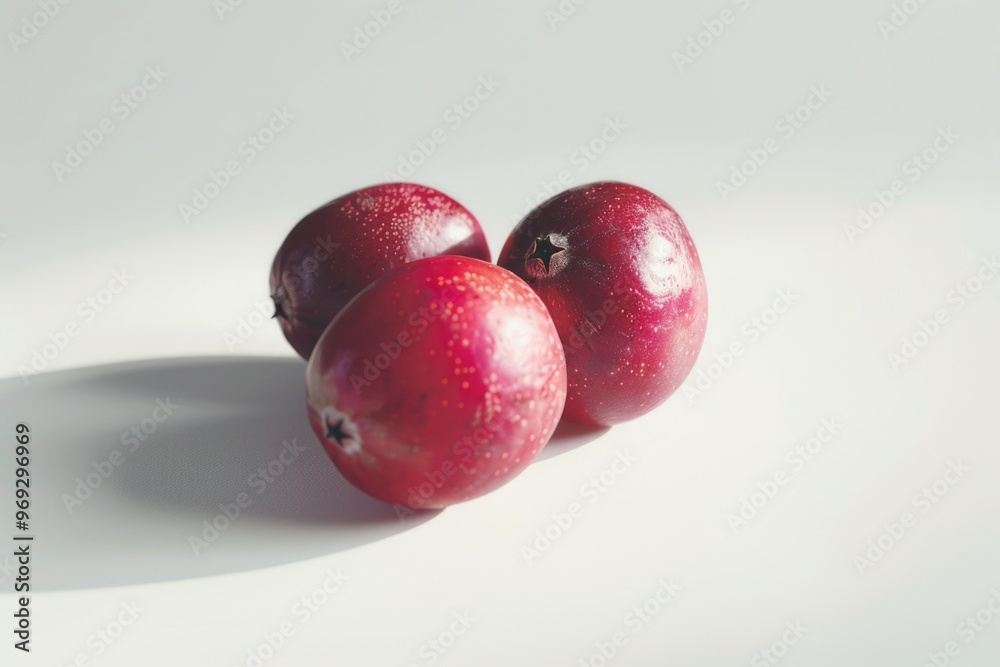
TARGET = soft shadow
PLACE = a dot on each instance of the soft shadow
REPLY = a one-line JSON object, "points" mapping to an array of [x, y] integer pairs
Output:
{"points": [[231, 432], [568, 436]]}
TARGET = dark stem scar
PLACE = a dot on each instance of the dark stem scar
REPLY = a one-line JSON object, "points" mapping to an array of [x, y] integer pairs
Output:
{"points": [[543, 248], [335, 431]]}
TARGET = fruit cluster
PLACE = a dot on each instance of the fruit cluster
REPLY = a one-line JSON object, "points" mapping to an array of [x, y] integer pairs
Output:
{"points": [[431, 368]]}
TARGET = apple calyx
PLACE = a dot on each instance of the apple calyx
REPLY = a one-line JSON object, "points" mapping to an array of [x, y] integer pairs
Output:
{"points": [[279, 297], [547, 256], [341, 430]]}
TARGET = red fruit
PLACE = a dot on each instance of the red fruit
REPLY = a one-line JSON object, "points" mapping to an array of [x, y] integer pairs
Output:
{"points": [[440, 382], [340, 248], [620, 275]]}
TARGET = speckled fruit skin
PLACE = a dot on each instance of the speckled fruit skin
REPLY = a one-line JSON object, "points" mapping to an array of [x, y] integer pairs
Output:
{"points": [[340, 248], [620, 275], [440, 382]]}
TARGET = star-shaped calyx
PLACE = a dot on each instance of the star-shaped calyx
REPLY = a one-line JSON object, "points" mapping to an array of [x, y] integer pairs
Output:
{"points": [[279, 297], [335, 430], [546, 256]]}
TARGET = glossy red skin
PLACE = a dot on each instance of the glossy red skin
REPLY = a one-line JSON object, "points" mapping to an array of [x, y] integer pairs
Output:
{"points": [[474, 392], [340, 248], [627, 295]]}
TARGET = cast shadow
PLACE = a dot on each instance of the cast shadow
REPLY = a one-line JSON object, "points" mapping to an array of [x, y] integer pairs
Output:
{"points": [[222, 473], [569, 436]]}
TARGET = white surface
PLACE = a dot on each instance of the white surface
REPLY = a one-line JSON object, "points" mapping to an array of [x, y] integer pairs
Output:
{"points": [[663, 518]]}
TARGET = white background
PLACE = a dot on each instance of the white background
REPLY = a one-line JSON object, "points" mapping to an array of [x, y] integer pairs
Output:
{"points": [[857, 295]]}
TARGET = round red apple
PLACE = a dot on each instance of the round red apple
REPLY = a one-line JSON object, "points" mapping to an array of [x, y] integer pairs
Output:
{"points": [[340, 248], [440, 382], [620, 275]]}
